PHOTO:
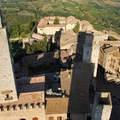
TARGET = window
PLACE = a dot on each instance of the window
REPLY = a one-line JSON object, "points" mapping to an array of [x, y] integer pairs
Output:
{"points": [[14, 107], [8, 97], [59, 118], [51, 118], [68, 115], [35, 118]]}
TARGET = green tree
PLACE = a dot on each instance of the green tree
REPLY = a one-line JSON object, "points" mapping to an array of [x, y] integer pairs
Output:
{"points": [[22, 34], [56, 20], [111, 38], [76, 28], [38, 47], [57, 56], [48, 47], [28, 51]]}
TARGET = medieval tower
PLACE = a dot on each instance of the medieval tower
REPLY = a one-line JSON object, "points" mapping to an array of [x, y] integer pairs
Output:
{"points": [[8, 92]]}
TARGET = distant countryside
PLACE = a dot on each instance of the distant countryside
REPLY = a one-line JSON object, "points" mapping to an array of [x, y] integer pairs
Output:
{"points": [[22, 15]]}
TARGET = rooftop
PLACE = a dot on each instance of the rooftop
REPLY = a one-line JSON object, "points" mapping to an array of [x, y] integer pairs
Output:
{"points": [[44, 22], [57, 105], [116, 53], [72, 20], [68, 37], [111, 49], [38, 58], [102, 106], [75, 84], [30, 91]]}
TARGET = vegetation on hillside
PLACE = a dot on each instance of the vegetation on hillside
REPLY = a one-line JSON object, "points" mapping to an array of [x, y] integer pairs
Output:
{"points": [[17, 51], [111, 38], [76, 28], [56, 20], [36, 47], [23, 14]]}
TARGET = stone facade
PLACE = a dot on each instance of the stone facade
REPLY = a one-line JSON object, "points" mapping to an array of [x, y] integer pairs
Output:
{"points": [[110, 59], [46, 25], [20, 114], [8, 90], [91, 48], [56, 116], [102, 106]]}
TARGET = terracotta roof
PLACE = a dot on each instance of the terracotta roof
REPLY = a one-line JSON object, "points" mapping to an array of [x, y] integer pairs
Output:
{"points": [[30, 90], [67, 37], [117, 54], [38, 58], [72, 20], [64, 55], [37, 36], [76, 84], [111, 49], [66, 81], [53, 25], [57, 105], [34, 79], [44, 22]]}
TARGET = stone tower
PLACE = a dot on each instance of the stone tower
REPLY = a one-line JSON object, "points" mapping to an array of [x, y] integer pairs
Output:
{"points": [[8, 92], [0, 19]]}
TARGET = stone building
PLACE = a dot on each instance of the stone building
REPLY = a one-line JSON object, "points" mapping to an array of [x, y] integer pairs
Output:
{"points": [[46, 25], [89, 42], [30, 100], [8, 89], [102, 106], [18, 97], [73, 103], [110, 59], [68, 39]]}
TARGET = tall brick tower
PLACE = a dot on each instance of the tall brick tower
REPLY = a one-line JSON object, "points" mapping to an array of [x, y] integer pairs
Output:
{"points": [[8, 91]]}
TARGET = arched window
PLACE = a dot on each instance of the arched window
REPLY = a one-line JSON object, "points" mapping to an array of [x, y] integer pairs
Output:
{"points": [[59, 118], [51, 118], [7, 95], [35, 118]]}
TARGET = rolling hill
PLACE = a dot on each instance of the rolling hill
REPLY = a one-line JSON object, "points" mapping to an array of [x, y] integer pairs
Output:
{"points": [[103, 14]]}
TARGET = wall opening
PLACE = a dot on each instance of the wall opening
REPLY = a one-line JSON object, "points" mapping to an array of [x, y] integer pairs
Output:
{"points": [[59, 118], [35, 118], [51, 118]]}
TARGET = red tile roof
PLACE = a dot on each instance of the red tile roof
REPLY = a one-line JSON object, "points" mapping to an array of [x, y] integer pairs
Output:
{"points": [[57, 105], [30, 90]]}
